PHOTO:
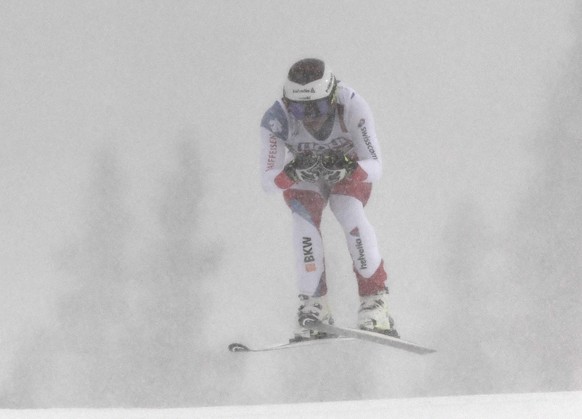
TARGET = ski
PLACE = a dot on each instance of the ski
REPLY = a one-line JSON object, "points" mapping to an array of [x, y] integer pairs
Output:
{"points": [[239, 347], [341, 334], [367, 336]]}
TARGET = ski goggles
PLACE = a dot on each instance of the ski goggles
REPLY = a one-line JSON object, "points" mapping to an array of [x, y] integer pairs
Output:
{"points": [[311, 108]]}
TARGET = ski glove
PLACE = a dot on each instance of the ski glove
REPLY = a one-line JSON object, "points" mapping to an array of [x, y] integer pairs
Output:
{"points": [[304, 166], [336, 166], [332, 167]]}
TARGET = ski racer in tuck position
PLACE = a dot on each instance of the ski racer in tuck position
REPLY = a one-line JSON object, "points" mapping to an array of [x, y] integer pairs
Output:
{"points": [[319, 146]]}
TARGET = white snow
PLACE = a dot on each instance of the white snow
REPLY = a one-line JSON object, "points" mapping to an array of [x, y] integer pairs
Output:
{"points": [[564, 405]]}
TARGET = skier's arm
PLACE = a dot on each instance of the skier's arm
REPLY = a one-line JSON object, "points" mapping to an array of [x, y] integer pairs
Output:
{"points": [[273, 156], [360, 123], [274, 128]]}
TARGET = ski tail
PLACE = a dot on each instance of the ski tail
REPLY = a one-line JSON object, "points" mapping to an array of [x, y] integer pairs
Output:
{"points": [[239, 347]]}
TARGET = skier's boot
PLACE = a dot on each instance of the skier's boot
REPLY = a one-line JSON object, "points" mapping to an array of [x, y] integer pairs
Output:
{"points": [[373, 314], [315, 308]]}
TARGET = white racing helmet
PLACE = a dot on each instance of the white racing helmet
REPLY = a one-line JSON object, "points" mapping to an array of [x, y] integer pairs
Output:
{"points": [[310, 88]]}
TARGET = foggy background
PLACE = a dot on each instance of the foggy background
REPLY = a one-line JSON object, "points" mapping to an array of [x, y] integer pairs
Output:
{"points": [[137, 243]]}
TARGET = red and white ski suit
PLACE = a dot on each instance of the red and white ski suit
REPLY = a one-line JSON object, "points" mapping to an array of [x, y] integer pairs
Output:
{"points": [[353, 132]]}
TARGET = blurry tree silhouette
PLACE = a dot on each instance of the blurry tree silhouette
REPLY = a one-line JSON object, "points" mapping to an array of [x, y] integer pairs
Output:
{"points": [[128, 334], [548, 235], [171, 309], [467, 366], [76, 361], [519, 333]]}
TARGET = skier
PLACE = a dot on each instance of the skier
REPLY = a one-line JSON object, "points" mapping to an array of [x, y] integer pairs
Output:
{"points": [[319, 146]]}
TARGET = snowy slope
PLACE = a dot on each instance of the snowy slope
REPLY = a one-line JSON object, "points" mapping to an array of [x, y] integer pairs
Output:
{"points": [[138, 244], [566, 405]]}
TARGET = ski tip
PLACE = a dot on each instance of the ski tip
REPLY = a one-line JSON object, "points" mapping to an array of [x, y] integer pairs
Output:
{"points": [[238, 347], [423, 351]]}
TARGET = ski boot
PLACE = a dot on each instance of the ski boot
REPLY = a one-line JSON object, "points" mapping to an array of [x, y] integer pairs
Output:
{"points": [[373, 314], [313, 308]]}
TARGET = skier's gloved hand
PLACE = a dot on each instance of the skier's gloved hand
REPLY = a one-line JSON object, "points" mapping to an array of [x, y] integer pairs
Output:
{"points": [[304, 167], [337, 166]]}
